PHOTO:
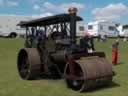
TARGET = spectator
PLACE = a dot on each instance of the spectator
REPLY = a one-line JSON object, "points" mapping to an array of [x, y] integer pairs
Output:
{"points": [[103, 38], [99, 38], [115, 52]]}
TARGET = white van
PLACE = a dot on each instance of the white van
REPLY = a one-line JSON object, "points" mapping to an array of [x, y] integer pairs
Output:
{"points": [[9, 28]]}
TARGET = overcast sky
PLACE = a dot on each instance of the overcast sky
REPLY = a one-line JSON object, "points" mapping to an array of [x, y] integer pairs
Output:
{"points": [[90, 10]]}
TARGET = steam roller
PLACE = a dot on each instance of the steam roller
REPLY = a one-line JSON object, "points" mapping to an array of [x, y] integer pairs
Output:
{"points": [[57, 54]]}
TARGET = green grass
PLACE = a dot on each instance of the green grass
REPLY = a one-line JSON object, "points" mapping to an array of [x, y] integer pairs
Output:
{"points": [[12, 85]]}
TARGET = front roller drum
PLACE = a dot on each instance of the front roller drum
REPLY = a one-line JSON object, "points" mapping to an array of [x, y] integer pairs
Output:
{"points": [[88, 74], [29, 64], [74, 82]]}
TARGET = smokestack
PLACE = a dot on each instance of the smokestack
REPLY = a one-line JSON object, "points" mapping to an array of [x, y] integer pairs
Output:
{"points": [[73, 11]]}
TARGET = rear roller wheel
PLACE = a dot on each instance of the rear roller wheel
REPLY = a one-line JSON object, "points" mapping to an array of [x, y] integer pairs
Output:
{"points": [[29, 63]]}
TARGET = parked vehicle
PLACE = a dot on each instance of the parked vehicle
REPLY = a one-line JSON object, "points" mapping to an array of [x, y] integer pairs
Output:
{"points": [[9, 28], [123, 30], [106, 28]]}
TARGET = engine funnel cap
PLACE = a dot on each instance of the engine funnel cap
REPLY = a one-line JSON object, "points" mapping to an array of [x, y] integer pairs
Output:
{"points": [[72, 10]]}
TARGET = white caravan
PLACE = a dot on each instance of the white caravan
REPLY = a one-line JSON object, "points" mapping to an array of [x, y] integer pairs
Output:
{"points": [[8, 25], [81, 29], [103, 28]]}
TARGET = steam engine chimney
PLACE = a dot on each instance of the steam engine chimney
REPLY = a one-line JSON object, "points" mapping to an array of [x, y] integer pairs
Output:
{"points": [[72, 11]]}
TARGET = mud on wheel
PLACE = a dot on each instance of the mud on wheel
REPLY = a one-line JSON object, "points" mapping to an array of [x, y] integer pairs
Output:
{"points": [[29, 63]]}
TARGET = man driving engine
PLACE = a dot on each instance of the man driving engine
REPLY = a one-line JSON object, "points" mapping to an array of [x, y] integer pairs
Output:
{"points": [[86, 43]]}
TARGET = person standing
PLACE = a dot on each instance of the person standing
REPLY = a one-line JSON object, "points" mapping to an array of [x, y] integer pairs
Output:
{"points": [[115, 52], [87, 43], [99, 38]]}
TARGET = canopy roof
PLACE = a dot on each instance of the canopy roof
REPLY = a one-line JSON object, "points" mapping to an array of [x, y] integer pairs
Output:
{"points": [[49, 20]]}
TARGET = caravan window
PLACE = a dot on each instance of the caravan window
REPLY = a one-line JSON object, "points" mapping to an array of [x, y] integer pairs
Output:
{"points": [[101, 27], [90, 27], [111, 28], [81, 28]]}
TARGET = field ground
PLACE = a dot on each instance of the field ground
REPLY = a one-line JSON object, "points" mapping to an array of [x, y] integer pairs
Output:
{"points": [[12, 85]]}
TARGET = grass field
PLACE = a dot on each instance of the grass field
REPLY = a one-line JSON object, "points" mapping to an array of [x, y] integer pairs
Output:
{"points": [[12, 85]]}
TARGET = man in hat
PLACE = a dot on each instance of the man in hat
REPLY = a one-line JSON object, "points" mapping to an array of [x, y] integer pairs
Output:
{"points": [[86, 43], [115, 52]]}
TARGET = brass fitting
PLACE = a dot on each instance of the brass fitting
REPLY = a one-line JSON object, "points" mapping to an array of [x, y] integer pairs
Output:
{"points": [[72, 10]]}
